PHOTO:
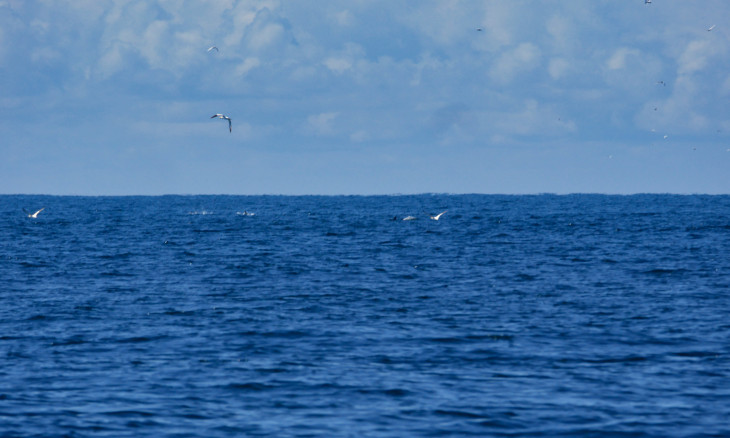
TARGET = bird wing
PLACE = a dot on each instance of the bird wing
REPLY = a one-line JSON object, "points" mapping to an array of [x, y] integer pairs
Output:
{"points": [[216, 115], [230, 129]]}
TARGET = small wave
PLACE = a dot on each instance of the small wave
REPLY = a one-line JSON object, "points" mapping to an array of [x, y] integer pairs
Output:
{"points": [[458, 414], [664, 271], [697, 354], [129, 413], [249, 386], [394, 392]]}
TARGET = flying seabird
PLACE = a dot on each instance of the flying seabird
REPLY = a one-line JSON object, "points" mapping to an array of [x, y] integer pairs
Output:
{"points": [[211, 48], [33, 215], [438, 216], [221, 116], [409, 218], [710, 28]]}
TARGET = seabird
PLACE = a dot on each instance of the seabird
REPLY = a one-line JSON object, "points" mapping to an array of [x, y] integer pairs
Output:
{"points": [[479, 29], [647, 2], [33, 215], [438, 216], [710, 28], [221, 116], [211, 48], [661, 83], [409, 218]]}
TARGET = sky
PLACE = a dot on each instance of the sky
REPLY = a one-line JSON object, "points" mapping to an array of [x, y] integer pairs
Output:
{"points": [[114, 97]]}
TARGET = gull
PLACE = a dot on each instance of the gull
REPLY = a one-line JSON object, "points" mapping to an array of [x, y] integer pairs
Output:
{"points": [[661, 83], [710, 28], [211, 48], [221, 116], [647, 2], [438, 216], [33, 215], [479, 29]]}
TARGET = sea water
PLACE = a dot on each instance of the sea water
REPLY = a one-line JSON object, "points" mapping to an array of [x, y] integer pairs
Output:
{"points": [[219, 316]]}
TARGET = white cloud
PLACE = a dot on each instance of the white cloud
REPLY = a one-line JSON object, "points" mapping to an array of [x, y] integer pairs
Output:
{"points": [[558, 67], [617, 61], [522, 58], [321, 124], [343, 18], [338, 65], [344, 59], [265, 37], [247, 65], [694, 57]]}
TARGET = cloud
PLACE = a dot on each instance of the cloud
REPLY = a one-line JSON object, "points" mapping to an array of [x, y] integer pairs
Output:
{"points": [[558, 67], [321, 124], [345, 58], [247, 65], [522, 58], [695, 56], [617, 61]]}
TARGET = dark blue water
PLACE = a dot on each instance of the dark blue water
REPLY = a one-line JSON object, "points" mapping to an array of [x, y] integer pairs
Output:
{"points": [[321, 316]]}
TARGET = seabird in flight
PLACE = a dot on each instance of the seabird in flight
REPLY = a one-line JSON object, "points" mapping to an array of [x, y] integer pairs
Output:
{"points": [[438, 216], [710, 28], [211, 48], [221, 116], [33, 215]]}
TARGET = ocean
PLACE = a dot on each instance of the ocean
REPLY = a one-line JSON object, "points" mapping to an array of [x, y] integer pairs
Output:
{"points": [[331, 316]]}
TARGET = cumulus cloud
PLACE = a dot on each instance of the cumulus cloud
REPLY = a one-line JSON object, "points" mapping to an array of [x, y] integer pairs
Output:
{"points": [[558, 67], [522, 58], [617, 61], [321, 124]]}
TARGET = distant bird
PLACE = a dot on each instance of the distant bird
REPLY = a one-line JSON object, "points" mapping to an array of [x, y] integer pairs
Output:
{"points": [[647, 2], [410, 218], [211, 48], [438, 216], [710, 28], [33, 215], [661, 83], [479, 29], [221, 116]]}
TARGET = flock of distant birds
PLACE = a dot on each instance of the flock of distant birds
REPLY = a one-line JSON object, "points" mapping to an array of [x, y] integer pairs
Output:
{"points": [[220, 116], [435, 217]]}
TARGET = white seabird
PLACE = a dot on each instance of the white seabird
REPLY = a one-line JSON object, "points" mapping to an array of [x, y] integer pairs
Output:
{"points": [[33, 215], [711, 27], [438, 216], [409, 218], [221, 116], [211, 48]]}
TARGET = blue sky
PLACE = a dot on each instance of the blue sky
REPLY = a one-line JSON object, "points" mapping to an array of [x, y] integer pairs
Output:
{"points": [[113, 97]]}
